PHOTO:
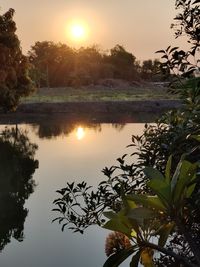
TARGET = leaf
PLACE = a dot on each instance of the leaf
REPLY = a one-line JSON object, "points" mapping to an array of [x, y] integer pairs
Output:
{"points": [[160, 51], [140, 213], [135, 260], [186, 175], [148, 201], [110, 214], [120, 224], [162, 189], [176, 174], [196, 2], [173, 49], [165, 56], [190, 190], [152, 173], [116, 259], [168, 169], [164, 233], [131, 204], [196, 137], [121, 161], [63, 226]]}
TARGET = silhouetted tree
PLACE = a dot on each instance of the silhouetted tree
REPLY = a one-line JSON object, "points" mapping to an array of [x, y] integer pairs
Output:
{"points": [[150, 68], [123, 62], [14, 67], [53, 63], [88, 65]]}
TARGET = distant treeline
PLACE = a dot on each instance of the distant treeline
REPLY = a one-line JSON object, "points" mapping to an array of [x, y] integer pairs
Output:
{"points": [[55, 65]]}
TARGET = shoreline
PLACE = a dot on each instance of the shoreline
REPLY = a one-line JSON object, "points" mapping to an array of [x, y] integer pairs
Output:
{"points": [[97, 112], [99, 106]]}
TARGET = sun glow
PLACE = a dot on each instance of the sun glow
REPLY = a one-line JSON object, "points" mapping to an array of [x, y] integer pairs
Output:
{"points": [[77, 31], [80, 133]]}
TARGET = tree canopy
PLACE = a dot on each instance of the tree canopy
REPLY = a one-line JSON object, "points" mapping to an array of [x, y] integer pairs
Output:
{"points": [[58, 65], [14, 80]]}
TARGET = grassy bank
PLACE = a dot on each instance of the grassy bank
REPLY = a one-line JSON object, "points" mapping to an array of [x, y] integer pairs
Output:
{"points": [[97, 93]]}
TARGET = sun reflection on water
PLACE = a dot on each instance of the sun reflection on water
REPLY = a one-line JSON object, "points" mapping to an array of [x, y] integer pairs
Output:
{"points": [[80, 133]]}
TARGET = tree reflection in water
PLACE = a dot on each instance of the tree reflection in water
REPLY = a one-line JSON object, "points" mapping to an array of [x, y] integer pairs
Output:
{"points": [[17, 166], [53, 128]]}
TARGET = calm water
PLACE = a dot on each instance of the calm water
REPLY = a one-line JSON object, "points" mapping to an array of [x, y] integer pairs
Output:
{"points": [[65, 153]]}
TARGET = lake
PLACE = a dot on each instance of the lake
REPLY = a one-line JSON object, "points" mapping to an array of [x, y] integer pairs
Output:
{"points": [[65, 153]]}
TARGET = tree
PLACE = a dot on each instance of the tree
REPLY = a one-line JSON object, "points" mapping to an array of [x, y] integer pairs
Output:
{"points": [[150, 68], [14, 67], [123, 62], [53, 63], [88, 65]]}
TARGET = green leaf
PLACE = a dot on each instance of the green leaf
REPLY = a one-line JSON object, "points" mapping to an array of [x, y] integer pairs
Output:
{"points": [[177, 172], [116, 259], [135, 260], [162, 189], [190, 190], [152, 173], [164, 233], [148, 201], [120, 224], [131, 204], [168, 169], [196, 137], [140, 213], [110, 214], [186, 175]]}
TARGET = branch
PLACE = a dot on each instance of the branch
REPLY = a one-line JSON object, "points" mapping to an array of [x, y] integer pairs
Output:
{"points": [[169, 253], [195, 250]]}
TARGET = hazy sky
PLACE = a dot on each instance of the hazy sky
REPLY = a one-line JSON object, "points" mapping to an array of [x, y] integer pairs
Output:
{"points": [[142, 26]]}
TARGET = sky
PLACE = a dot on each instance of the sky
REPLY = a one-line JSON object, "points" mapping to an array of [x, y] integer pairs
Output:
{"points": [[141, 26]]}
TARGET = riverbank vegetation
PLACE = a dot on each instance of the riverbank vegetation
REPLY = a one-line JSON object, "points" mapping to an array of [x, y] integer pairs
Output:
{"points": [[120, 91], [63, 74], [58, 65]]}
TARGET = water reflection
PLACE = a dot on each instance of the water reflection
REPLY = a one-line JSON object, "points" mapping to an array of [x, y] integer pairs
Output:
{"points": [[53, 128], [80, 133], [62, 159], [17, 165]]}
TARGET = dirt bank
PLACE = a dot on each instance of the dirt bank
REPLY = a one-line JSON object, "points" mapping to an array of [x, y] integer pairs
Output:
{"points": [[117, 111], [100, 107]]}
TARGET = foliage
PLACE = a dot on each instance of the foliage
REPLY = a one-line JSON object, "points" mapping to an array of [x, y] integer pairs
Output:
{"points": [[56, 65], [187, 23], [53, 63], [150, 68], [17, 166], [146, 218], [123, 63], [14, 80]]}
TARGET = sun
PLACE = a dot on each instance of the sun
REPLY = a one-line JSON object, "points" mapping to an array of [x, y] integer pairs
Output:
{"points": [[77, 31]]}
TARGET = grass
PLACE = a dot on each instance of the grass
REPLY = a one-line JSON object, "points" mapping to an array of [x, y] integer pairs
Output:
{"points": [[86, 94]]}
